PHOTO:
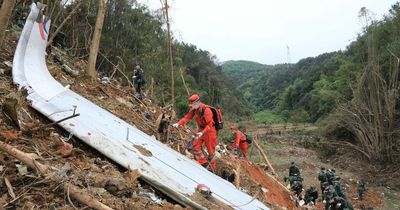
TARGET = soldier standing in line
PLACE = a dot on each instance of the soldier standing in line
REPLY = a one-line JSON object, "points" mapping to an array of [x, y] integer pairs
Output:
{"points": [[293, 169], [322, 177], [338, 187]]}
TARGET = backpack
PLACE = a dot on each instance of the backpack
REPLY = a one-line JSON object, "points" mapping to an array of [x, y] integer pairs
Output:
{"points": [[217, 117], [249, 138]]}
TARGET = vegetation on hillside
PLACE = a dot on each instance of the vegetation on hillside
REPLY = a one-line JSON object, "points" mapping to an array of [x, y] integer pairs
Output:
{"points": [[355, 91]]}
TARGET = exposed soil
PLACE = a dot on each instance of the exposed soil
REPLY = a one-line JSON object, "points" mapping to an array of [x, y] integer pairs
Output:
{"points": [[279, 195], [302, 149], [86, 168]]}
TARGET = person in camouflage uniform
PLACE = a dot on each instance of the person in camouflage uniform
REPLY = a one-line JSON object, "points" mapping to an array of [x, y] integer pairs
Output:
{"points": [[296, 183], [338, 187], [330, 175], [340, 203], [329, 195], [322, 177], [297, 187], [293, 169], [311, 195], [293, 178], [138, 78]]}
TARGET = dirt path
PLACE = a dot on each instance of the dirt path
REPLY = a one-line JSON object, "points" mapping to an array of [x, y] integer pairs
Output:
{"points": [[282, 128]]}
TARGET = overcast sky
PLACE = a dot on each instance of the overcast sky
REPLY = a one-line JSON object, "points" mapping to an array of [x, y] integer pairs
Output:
{"points": [[261, 30]]}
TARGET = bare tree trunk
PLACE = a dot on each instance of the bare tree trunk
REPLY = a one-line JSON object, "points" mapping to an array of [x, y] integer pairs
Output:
{"points": [[5, 14], [63, 23], [170, 62], [184, 83], [94, 46]]}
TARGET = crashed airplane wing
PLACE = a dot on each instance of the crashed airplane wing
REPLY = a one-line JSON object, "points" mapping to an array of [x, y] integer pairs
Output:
{"points": [[160, 166]]}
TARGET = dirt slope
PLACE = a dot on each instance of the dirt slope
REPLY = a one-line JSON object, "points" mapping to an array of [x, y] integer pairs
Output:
{"points": [[85, 167]]}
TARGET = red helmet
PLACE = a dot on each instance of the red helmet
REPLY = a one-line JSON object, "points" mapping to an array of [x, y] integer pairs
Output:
{"points": [[194, 98]]}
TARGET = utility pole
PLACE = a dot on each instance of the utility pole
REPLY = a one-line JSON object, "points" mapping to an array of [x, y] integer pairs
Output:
{"points": [[170, 62]]}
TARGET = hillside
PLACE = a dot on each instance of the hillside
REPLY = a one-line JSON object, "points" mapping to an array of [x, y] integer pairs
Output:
{"points": [[242, 66], [78, 132], [240, 71], [84, 168], [314, 88]]}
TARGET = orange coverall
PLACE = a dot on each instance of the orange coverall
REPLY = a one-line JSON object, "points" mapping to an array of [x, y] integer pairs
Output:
{"points": [[209, 137], [241, 142]]}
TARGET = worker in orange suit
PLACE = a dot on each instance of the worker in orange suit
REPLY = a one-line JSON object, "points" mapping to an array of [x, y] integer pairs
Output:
{"points": [[239, 142], [206, 133]]}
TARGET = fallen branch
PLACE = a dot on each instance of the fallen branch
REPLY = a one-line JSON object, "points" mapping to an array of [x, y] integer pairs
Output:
{"points": [[84, 198], [69, 199], [275, 175], [69, 70], [116, 67], [237, 175], [264, 156], [9, 188], [51, 124], [75, 192], [26, 158]]}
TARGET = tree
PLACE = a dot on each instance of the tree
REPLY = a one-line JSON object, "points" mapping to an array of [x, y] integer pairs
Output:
{"points": [[5, 13], [372, 115], [64, 21], [94, 46], [170, 61]]}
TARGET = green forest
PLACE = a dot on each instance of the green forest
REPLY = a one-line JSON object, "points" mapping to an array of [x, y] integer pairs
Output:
{"points": [[313, 88], [353, 95]]}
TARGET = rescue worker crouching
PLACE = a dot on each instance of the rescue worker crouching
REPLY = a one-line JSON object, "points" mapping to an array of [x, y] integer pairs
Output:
{"points": [[206, 133], [239, 142]]}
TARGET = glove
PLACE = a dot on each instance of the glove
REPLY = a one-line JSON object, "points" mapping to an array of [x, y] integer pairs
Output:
{"points": [[234, 150], [218, 148], [175, 125], [199, 134], [217, 154]]}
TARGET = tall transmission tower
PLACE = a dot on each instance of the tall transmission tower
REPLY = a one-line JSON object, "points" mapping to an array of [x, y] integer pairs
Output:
{"points": [[288, 56]]}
